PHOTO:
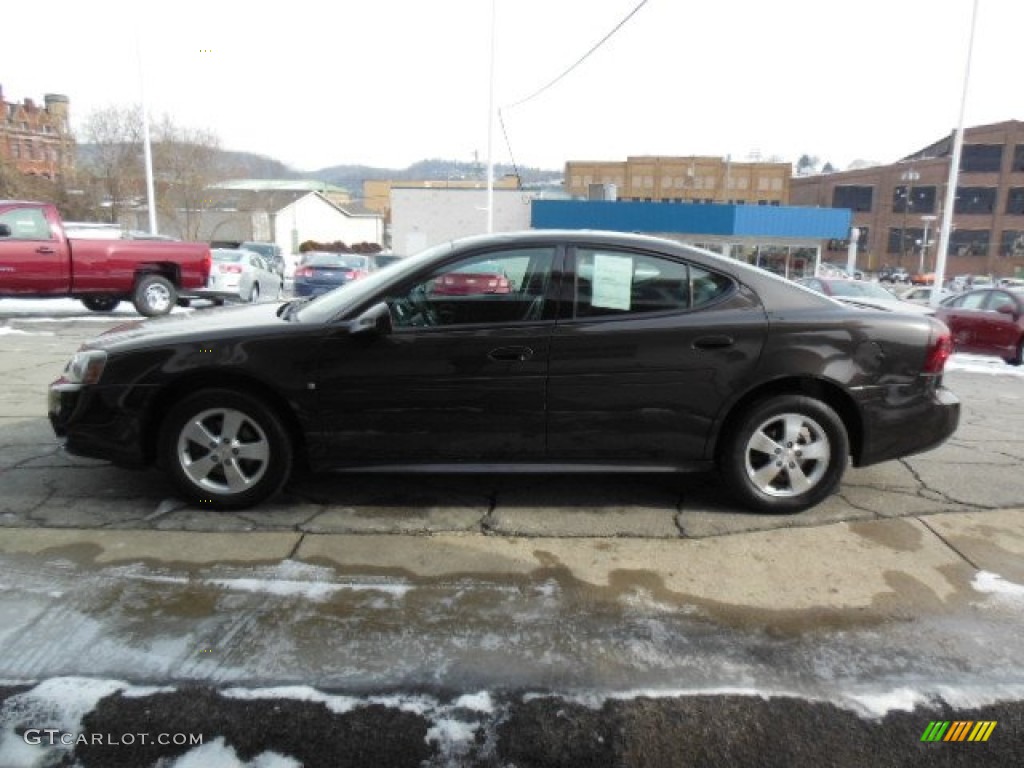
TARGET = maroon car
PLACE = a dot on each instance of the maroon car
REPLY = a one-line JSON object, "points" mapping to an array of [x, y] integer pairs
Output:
{"points": [[480, 278], [987, 322]]}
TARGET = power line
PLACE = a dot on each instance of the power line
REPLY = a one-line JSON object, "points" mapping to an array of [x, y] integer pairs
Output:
{"points": [[583, 58]]}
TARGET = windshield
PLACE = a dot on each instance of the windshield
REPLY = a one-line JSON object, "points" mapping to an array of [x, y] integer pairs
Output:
{"points": [[330, 305]]}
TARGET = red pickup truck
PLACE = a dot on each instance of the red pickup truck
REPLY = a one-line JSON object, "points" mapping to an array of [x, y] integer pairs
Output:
{"points": [[38, 260]]}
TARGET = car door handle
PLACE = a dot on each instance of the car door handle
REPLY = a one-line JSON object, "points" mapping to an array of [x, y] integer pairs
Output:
{"points": [[44, 249], [510, 354], [713, 342]]}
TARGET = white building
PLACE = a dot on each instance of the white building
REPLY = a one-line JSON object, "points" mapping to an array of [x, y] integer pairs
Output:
{"points": [[421, 217]]}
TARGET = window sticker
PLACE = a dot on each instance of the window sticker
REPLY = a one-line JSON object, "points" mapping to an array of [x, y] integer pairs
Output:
{"points": [[612, 282]]}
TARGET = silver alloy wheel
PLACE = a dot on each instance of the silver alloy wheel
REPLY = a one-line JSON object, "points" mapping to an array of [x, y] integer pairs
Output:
{"points": [[157, 298], [787, 455], [224, 451]]}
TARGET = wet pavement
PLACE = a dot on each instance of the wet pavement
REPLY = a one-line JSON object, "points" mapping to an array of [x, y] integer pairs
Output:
{"points": [[581, 592]]}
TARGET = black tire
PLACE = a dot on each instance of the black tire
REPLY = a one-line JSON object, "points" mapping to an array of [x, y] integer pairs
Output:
{"points": [[101, 303], [769, 473], [254, 294], [1018, 358], [225, 449], [154, 295]]}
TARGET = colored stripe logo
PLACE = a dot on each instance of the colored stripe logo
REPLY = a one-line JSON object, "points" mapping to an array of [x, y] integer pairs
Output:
{"points": [[958, 730]]}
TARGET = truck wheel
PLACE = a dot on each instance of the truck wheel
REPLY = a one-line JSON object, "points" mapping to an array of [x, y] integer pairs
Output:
{"points": [[101, 303], [154, 295], [225, 449]]}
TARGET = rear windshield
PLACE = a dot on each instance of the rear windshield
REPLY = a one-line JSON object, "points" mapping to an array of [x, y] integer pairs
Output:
{"points": [[227, 256], [336, 260]]}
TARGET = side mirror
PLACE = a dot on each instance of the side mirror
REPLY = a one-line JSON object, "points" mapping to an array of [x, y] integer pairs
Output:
{"points": [[375, 320], [5, 231]]}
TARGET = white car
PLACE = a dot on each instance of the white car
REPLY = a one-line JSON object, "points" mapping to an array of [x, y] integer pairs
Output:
{"points": [[240, 275], [922, 294]]}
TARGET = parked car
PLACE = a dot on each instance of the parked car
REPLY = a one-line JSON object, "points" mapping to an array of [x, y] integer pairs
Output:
{"points": [[241, 275], [322, 271], [477, 279], [922, 278], [381, 260], [626, 367], [271, 253], [861, 293], [922, 294], [40, 259], [893, 275], [989, 321]]}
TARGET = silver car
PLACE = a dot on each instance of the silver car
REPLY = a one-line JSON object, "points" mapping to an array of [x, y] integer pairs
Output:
{"points": [[241, 275]]}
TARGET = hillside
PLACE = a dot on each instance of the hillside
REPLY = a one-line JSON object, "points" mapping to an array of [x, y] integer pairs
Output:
{"points": [[253, 166]]}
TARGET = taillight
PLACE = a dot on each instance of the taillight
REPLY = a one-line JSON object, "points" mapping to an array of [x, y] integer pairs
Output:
{"points": [[940, 347], [233, 269], [303, 272]]}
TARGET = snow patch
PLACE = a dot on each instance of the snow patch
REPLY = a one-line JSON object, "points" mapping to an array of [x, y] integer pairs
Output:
{"points": [[982, 364], [478, 702], [994, 584], [217, 754]]}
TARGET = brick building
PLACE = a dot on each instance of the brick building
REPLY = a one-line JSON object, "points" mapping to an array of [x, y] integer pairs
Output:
{"points": [[36, 140], [894, 204], [682, 180]]}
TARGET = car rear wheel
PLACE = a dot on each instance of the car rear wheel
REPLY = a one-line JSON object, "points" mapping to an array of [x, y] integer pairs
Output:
{"points": [[254, 294], [225, 449], [785, 454], [154, 295]]}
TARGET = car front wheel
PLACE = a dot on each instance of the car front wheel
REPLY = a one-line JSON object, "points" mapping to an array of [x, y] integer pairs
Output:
{"points": [[225, 449], [785, 454]]}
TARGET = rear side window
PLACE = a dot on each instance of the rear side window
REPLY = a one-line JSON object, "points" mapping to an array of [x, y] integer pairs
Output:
{"points": [[612, 282]]}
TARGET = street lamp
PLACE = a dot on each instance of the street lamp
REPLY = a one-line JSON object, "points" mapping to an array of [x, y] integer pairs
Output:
{"points": [[927, 219]]}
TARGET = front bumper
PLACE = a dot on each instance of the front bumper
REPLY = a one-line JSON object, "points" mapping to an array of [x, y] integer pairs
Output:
{"points": [[91, 424]]}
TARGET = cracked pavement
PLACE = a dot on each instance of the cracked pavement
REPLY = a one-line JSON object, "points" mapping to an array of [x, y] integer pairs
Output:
{"points": [[907, 580]]}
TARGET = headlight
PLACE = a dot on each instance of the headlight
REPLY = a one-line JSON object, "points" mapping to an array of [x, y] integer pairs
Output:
{"points": [[86, 367]]}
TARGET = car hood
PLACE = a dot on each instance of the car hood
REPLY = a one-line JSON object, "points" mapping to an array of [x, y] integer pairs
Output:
{"points": [[210, 323]]}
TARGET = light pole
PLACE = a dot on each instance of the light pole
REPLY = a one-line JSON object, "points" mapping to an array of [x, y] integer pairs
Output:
{"points": [[908, 178], [927, 219]]}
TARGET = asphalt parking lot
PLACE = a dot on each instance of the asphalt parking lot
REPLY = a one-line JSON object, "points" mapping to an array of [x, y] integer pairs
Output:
{"points": [[907, 580]]}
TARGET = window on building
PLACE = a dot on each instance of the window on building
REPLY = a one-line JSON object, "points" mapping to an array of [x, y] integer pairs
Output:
{"points": [[969, 242], [776, 185], [15, 150], [981, 158], [1015, 201], [922, 199], [975, 200], [764, 184], [904, 240], [1011, 244], [856, 198], [1018, 158]]}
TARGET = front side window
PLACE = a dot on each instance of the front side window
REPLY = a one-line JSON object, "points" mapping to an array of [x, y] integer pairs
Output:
{"points": [[495, 287], [610, 282], [26, 224]]}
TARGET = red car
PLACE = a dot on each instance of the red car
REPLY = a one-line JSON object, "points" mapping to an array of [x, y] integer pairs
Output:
{"points": [[475, 279], [987, 322]]}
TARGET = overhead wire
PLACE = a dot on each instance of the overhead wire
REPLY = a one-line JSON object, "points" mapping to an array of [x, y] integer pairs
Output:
{"points": [[584, 57]]}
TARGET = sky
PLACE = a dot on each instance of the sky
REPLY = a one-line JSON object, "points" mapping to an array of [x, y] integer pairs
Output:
{"points": [[389, 82]]}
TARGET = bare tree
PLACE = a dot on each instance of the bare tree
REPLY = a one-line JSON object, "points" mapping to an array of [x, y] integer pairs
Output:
{"points": [[186, 162], [113, 160]]}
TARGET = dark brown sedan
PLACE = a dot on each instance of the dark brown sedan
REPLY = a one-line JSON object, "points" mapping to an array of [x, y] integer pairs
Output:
{"points": [[610, 352]]}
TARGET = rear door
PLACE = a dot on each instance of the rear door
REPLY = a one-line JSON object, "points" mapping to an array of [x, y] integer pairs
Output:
{"points": [[1001, 329], [651, 348]]}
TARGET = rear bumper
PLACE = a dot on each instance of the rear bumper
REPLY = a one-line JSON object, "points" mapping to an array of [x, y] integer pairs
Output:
{"points": [[899, 423]]}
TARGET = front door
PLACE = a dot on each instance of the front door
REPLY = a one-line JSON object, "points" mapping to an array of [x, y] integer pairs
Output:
{"points": [[461, 378]]}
